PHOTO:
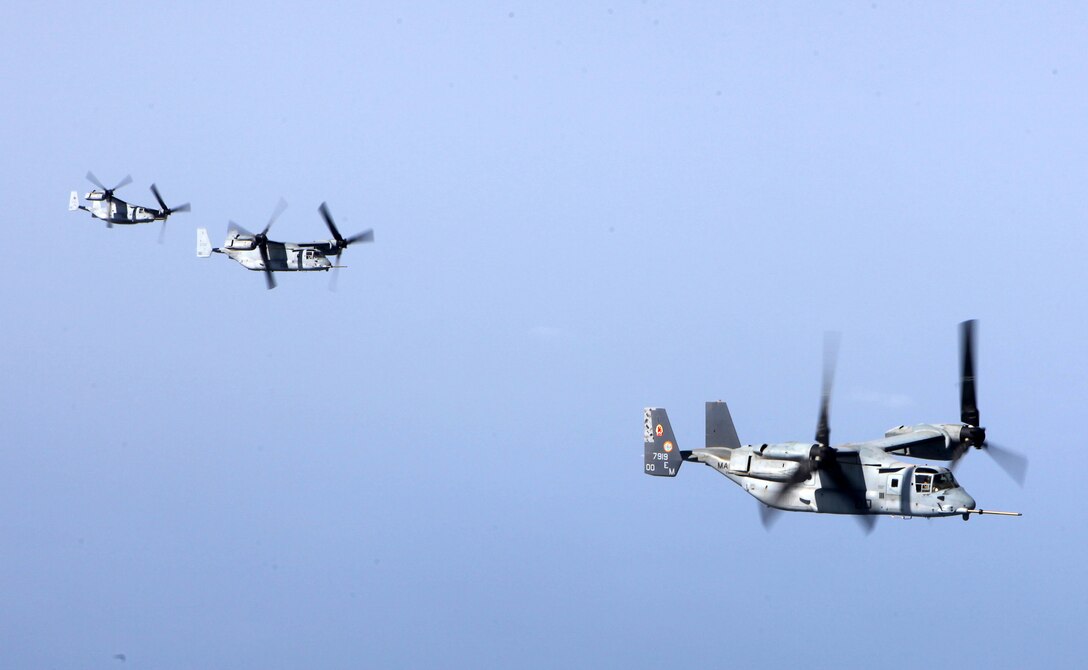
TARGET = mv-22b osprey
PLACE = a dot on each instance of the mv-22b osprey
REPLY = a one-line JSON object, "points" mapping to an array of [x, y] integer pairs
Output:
{"points": [[105, 206], [860, 479], [257, 252]]}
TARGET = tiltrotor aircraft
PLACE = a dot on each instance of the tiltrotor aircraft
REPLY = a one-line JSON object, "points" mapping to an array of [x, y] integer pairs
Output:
{"points": [[860, 479], [257, 252], [103, 204]]}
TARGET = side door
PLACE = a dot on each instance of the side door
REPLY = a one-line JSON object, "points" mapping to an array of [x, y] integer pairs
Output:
{"points": [[307, 257], [896, 489]]}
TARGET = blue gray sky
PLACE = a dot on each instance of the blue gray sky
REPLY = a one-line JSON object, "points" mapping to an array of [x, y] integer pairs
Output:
{"points": [[581, 209]]}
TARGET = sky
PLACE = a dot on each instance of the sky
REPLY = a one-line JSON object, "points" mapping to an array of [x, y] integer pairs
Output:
{"points": [[580, 210]]}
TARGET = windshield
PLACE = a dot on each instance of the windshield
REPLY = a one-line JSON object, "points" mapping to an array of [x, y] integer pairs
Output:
{"points": [[943, 481]]}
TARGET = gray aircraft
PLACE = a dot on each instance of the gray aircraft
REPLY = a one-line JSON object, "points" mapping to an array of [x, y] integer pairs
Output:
{"points": [[102, 204], [861, 479], [257, 252]]}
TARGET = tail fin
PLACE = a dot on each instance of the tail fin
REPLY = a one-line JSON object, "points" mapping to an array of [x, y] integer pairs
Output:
{"points": [[203, 244], [719, 427], [663, 457], [73, 202]]}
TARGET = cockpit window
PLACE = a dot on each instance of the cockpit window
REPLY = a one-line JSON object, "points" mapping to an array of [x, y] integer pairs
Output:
{"points": [[943, 481], [923, 483]]}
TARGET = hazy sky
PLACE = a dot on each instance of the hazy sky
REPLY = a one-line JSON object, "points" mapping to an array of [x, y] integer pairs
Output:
{"points": [[581, 209]]}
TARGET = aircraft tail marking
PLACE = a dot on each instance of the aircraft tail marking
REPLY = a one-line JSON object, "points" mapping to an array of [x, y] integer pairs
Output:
{"points": [[661, 452]]}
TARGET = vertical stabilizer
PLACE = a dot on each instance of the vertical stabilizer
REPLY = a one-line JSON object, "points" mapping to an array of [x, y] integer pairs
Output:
{"points": [[203, 244], [662, 455], [73, 202], [719, 426]]}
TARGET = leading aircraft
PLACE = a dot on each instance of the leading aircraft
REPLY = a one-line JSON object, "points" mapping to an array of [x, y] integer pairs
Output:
{"points": [[861, 479]]}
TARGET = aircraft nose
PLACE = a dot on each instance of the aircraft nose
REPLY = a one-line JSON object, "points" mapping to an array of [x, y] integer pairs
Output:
{"points": [[964, 499]]}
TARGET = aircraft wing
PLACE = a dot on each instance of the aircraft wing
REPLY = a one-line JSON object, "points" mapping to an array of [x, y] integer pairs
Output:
{"points": [[323, 247], [922, 440]]}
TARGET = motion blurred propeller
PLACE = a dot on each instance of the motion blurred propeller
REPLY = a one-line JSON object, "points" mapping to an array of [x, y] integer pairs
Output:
{"points": [[108, 192], [823, 458], [339, 241], [262, 244], [972, 434], [165, 211], [260, 240]]}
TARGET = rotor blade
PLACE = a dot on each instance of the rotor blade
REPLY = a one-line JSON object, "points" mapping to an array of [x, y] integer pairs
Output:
{"points": [[234, 226], [181, 208], [782, 493], [124, 182], [968, 405], [768, 516], [838, 477], [280, 206], [162, 203], [94, 180], [269, 280], [866, 521], [365, 236], [162, 231], [957, 457], [334, 281], [802, 474], [831, 353], [1014, 464], [324, 209]]}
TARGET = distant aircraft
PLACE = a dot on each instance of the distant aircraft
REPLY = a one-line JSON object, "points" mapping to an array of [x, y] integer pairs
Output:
{"points": [[105, 206]]}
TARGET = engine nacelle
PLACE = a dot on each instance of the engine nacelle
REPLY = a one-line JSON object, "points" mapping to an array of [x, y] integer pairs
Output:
{"points": [[939, 442], [790, 451], [773, 470], [241, 244]]}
